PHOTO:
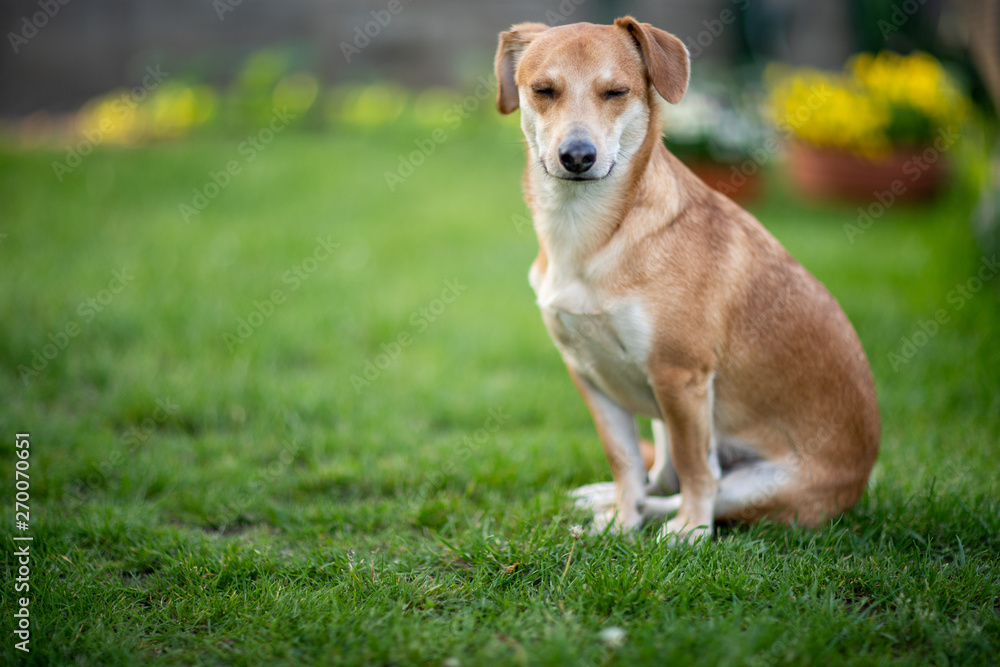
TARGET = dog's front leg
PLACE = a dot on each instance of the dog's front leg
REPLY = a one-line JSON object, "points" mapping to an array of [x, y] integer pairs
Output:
{"points": [[620, 437], [685, 398]]}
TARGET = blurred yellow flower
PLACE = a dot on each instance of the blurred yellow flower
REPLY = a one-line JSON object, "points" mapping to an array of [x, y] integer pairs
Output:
{"points": [[878, 102], [131, 116], [372, 105], [174, 109]]}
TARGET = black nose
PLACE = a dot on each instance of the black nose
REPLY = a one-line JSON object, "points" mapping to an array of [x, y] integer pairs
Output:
{"points": [[577, 155]]}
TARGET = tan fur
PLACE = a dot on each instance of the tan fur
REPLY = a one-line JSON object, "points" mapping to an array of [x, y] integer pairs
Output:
{"points": [[744, 345]]}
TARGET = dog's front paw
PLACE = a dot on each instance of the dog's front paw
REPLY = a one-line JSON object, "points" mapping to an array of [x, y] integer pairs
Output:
{"points": [[681, 530], [612, 521]]}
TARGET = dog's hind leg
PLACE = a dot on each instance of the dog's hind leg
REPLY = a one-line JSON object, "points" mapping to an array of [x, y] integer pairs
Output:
{"points": [[799, 492], [658, 506], [599, 495], [754, 491], [783, 492], [748, 493]]}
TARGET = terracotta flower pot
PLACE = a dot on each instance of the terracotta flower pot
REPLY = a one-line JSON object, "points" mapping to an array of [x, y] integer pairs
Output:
{"points": [[909, 174]]}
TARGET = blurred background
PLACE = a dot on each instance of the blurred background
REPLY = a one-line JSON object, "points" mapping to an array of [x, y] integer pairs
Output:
{"points": [[897, 72], [84, 49]]}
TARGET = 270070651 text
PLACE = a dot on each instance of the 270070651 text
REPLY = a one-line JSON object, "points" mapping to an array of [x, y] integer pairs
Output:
{"points": [[22, 520]]}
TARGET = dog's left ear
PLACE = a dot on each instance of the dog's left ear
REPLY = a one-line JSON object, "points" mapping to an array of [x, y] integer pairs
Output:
{"points": [[512, 43], [666, 58]]}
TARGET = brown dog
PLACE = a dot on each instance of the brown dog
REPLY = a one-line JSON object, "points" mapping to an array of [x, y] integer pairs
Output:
{"points": [[667, 300]]}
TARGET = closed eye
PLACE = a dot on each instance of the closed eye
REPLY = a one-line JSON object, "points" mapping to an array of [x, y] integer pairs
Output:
{"points": [[544, 91], [616, 92]]}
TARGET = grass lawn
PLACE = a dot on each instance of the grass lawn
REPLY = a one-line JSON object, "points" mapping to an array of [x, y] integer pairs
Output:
{"points": [[374, 468]]}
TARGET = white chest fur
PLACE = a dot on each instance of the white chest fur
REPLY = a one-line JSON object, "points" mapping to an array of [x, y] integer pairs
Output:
{"points": [[606, 341]]}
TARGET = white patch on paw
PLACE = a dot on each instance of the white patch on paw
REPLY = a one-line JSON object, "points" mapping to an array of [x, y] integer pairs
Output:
{"points": [[611, 520], [679, 531], [603, 520]]}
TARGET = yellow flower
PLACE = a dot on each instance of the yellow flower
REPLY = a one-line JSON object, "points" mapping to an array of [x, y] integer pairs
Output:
{"points": [[854, 110]]}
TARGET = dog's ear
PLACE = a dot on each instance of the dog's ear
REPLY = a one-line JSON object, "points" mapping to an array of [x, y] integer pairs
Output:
{"points": [[666, 58], [512, 43]]}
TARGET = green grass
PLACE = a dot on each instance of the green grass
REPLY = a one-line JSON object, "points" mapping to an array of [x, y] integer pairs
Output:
{"points": [[278, 512]]}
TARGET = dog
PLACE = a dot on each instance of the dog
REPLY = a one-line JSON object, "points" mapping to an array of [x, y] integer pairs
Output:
{"points": [[669, 301]]}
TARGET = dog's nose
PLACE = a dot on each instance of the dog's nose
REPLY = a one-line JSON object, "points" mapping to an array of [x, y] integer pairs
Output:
{"points": [[577, 155]]}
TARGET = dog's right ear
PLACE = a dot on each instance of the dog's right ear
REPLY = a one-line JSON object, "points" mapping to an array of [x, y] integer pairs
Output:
{"points": [[512, 43]]}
